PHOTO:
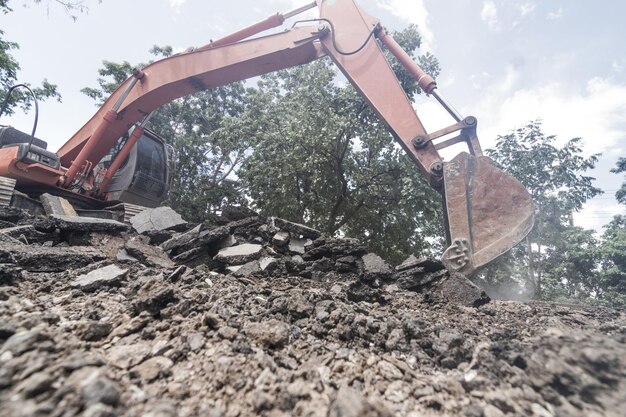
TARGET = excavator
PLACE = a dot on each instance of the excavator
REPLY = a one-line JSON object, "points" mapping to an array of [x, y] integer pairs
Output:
{"points": [[114, 157]]}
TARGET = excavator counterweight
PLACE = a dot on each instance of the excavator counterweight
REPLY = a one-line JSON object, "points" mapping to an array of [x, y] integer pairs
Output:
{"points": [[487, 210]]}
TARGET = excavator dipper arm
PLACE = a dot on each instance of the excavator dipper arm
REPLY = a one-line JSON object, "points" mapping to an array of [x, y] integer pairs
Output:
{"points": [[487, 210]]}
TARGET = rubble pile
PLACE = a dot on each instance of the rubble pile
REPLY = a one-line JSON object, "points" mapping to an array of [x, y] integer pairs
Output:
{"points": [[261, 316]]}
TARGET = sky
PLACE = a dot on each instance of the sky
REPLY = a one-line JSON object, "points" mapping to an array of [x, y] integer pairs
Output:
{"points": [[506, 62]]}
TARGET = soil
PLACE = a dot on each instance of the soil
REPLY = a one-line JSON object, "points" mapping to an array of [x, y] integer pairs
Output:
{"points": [[126, 328]]}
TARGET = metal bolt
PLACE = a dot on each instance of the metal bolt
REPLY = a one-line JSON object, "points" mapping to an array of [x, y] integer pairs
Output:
{"points": [[418, 142], [470, 121], [437, 168]]}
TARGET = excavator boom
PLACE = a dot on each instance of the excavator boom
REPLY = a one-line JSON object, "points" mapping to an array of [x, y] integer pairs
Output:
{"points": [[487, 210]]}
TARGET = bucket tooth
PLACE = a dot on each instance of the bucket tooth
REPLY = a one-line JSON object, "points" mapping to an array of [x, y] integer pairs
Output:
{"points": [[488, 212]]}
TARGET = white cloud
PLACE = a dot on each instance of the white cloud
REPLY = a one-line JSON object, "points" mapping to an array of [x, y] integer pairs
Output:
{"points": [[412, 11], [618, 66], [526, 9], [489, 15], [176, 4], [511, 77], [596, 113], [295, 4], [557, 14]]}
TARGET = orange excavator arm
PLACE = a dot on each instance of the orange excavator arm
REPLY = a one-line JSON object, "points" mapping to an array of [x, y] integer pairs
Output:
{"points": [[487, 210]]}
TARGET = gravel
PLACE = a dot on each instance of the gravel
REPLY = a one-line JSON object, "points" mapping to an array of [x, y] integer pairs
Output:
{"points": [[333, 331]]}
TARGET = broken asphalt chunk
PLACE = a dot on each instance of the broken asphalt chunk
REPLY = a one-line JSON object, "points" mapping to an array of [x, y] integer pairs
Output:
{"points": [[375, 268], [148, 254], [296, 228], [35, 258], [240, 254], [428, 265], [156, 219], [87, 224], [107, 276], [248, 269], [458, 289], [417, 279], [195, 238]]}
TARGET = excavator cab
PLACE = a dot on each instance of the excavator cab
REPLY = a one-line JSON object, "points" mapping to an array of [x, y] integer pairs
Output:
{"points": [[143, 178]]}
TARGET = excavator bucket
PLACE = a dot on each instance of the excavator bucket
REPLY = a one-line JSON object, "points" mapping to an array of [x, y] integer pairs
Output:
{"points": [[488, 212]]}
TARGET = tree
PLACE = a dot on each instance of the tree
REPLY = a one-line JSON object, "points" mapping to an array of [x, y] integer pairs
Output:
{"points": [[321, 156], [612, 253], [620, 195], [207, 152], [554, 177], [570, 266], [71, 7]]}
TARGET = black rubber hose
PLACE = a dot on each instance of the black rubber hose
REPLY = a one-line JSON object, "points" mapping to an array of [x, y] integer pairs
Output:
{"points": [[332, 27], [5, 105]]}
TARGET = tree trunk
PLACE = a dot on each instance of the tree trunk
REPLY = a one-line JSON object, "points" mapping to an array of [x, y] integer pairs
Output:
{"points": [[535, 285]]}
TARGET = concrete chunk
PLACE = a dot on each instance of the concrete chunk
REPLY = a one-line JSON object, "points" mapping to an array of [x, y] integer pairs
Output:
{"points": [[297, 245], [160, 218], [248, 269], [296, 228], [268, 263], [53, 204], [281, 238], [240, 254], [106, 276]]}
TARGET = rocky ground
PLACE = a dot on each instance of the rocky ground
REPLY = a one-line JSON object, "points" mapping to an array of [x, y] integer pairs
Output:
{"points": [[266, 317]]}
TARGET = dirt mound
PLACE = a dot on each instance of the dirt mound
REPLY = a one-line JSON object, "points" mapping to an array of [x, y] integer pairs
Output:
{"points": [[266, 317]]}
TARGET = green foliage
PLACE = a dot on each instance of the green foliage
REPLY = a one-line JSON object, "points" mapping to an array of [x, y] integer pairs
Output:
{"points": [[570, 266], [208, 151], [72, 8], [550, 259], [612, 254], [620, 195]]}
